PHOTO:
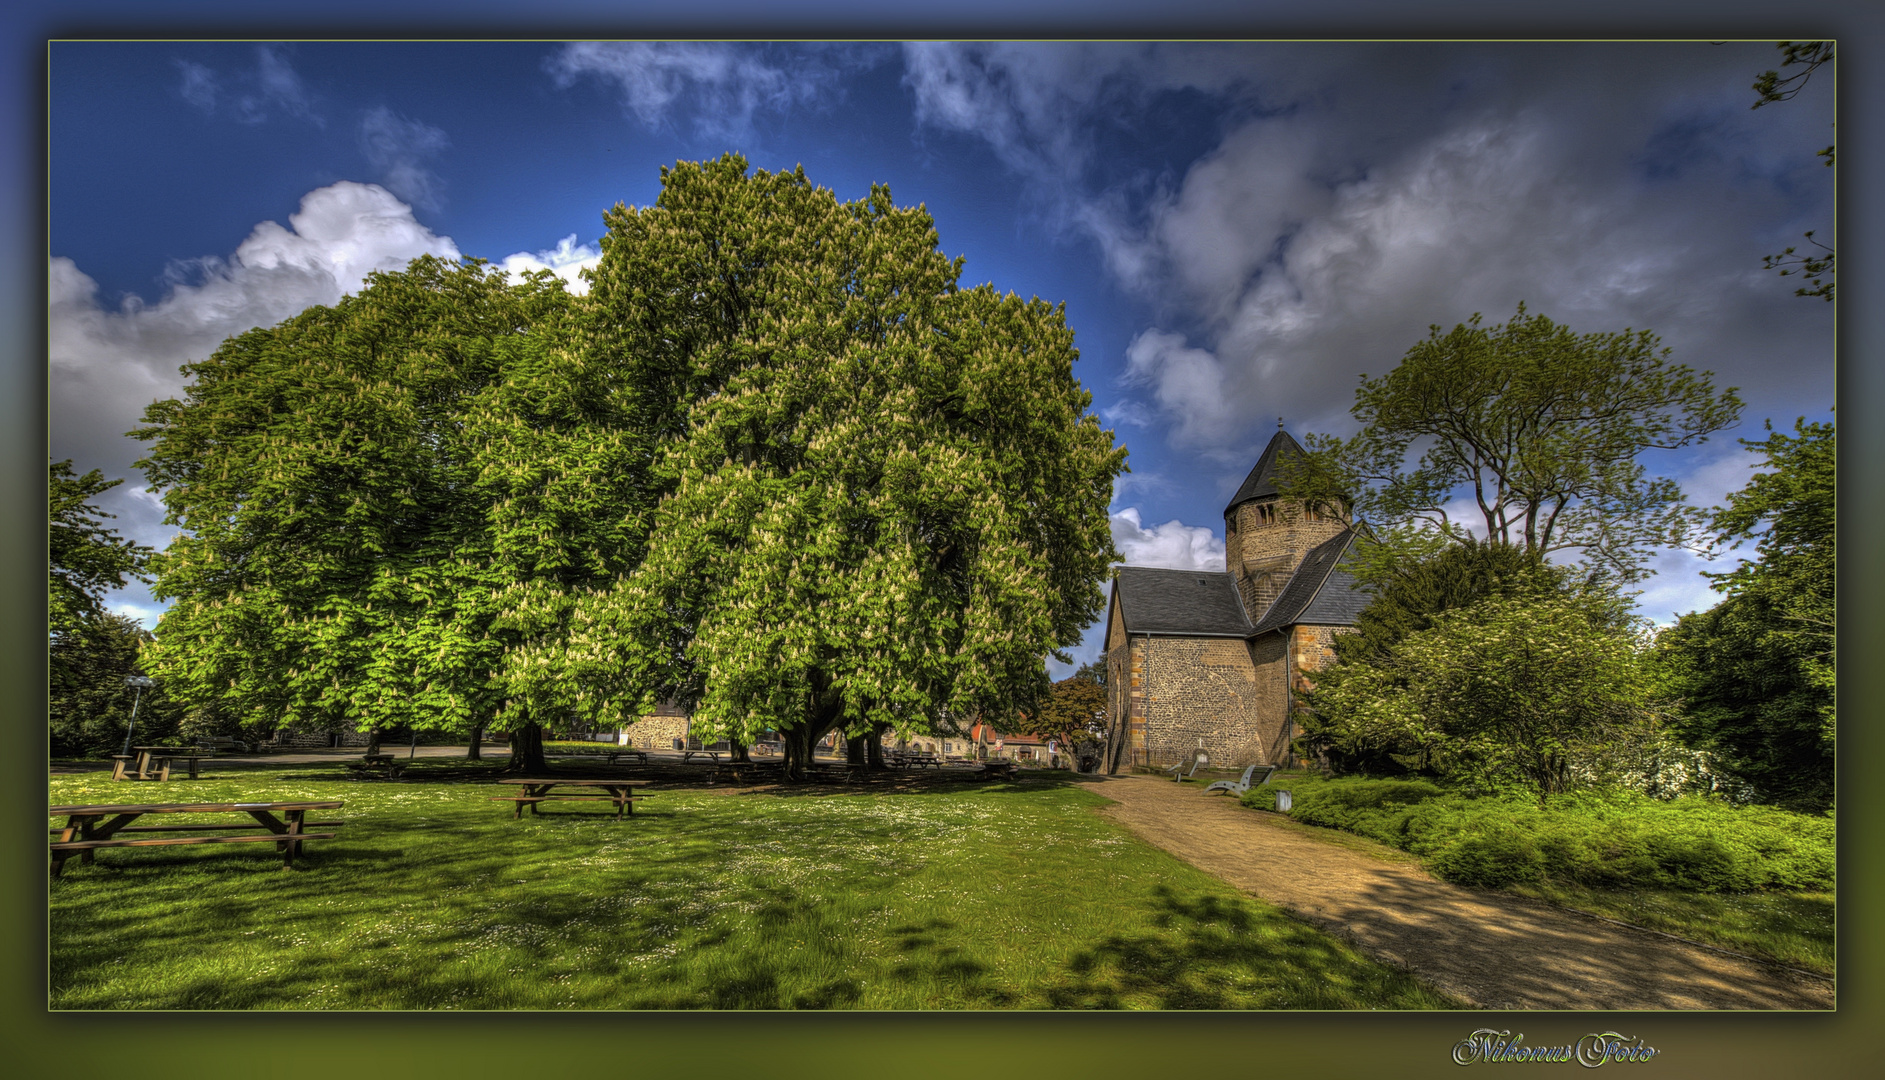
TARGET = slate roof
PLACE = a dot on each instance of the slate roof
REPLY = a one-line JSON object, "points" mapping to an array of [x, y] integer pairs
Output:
{"points": [[1261, 483], [1203, 603], [1317, 592]]}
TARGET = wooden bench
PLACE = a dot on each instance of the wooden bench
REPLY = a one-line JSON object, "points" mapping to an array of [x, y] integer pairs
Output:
{"points": [[103, 827]]}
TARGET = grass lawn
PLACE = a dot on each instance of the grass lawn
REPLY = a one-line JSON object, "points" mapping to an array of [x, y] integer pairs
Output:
{"points": [[953, 897], [1791, 927], [1794, 927]]}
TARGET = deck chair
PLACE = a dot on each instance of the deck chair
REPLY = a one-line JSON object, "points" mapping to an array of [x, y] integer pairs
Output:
{"points": [[1238, 787], [1189, 764]]}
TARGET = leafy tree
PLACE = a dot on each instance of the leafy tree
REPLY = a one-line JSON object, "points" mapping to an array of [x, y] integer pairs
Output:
{"points": [[1771, 86], [88, 705], [1757, 671], [383, 500], [1074, 713], [1540, 689], [881, 496], [1538, 428], [1408, 592], [87, 558]]}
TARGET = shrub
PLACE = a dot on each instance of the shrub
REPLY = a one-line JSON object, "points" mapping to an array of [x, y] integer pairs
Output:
{"points": [[1605, 839]]}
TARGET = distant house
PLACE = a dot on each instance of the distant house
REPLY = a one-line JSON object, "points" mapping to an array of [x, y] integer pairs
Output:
{"points": [[657, 730], [1210, 659]]}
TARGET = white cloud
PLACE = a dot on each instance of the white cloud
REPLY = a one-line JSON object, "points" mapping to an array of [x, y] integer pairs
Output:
{"points": [[400, 148], [1187, 385], [1173, 545], [567, 260], [249, 97], [722, 85], [108, 364]]}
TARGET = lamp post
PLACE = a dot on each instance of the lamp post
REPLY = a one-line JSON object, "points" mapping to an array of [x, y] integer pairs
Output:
{"points": [[140, 684]]}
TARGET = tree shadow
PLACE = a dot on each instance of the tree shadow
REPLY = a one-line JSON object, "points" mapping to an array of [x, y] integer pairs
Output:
{"points": [[1217, 953]]}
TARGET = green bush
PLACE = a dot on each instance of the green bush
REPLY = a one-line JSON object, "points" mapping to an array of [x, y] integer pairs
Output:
{"points": [[1603, 839]]}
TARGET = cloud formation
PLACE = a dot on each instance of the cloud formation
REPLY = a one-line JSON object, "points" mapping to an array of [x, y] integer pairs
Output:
{"points": [[1173, 545], [108, 364], [271, 88], [1352, 196], [723, 86], [567, 260], [400, 149]]}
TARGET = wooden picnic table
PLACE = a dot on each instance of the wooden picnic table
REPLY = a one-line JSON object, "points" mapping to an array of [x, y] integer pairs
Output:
{"points": [[536, 791], [998, 767], [155, 762], [711, 755], [385, 763], [88, 828]]}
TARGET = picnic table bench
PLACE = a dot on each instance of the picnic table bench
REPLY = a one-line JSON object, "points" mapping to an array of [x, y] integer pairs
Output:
{"points": [[915, 759], [380, 763], [997, 767], [710, 755], [88, 828], [155, 762], [608, 756], [538, 791]]}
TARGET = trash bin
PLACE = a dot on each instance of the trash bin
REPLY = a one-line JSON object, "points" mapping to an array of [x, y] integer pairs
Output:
{"points": [[1282, 802]]}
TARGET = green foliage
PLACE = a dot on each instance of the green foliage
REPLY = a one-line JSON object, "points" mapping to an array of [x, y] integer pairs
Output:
{"points": [[1409, 590], [1756, 673], [382, 500], [1539, 688], [1606, 839], [86, 557], [1538, 427], [88, 705], [881, 498]]}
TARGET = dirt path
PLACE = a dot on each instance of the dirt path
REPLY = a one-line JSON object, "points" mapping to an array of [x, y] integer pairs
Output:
{"points": [[1491, 950]]}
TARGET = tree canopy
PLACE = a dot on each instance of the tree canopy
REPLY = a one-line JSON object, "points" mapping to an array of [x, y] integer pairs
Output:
{"points": [[383, 499], [1537, 429], [87, 557], [1756, 673], [1537, 688], [881, 499]]}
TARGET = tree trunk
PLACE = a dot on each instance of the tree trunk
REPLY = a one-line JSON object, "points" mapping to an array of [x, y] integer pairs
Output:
{"points": [[736, 751], [796, 742], [527, 750], [874, 749], [854, 749], [373, 740], [476, 752]]}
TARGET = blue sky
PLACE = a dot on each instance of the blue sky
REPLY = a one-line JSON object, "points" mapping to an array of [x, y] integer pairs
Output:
{"points": [[1237, 230]]}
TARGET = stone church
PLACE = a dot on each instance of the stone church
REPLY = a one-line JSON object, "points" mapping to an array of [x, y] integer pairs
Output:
{"points": [[1208, 659]]}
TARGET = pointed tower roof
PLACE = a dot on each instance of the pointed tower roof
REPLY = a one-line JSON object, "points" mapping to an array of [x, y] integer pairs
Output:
{"points": [[1261, 483]]}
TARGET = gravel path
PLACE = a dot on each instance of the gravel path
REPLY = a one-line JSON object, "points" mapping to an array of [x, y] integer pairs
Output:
{"points": [[1491, 950]]}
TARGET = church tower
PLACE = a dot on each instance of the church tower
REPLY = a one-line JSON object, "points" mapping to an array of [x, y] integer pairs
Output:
{"points": [[1266, 535]]}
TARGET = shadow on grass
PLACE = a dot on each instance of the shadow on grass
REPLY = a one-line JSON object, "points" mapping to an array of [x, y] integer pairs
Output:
{"points": [[1217, 953]]}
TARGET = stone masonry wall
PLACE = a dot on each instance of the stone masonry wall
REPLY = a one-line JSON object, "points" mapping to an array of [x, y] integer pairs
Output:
{"points": [[1201, 692], [1262, 554], [1125, 695], [657, 732], [1268, 660]]}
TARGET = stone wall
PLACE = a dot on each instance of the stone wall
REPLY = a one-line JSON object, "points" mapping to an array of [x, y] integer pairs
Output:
{"points": [[1265, 540], [1268, 659], [1201, 692], [657, 732]]}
